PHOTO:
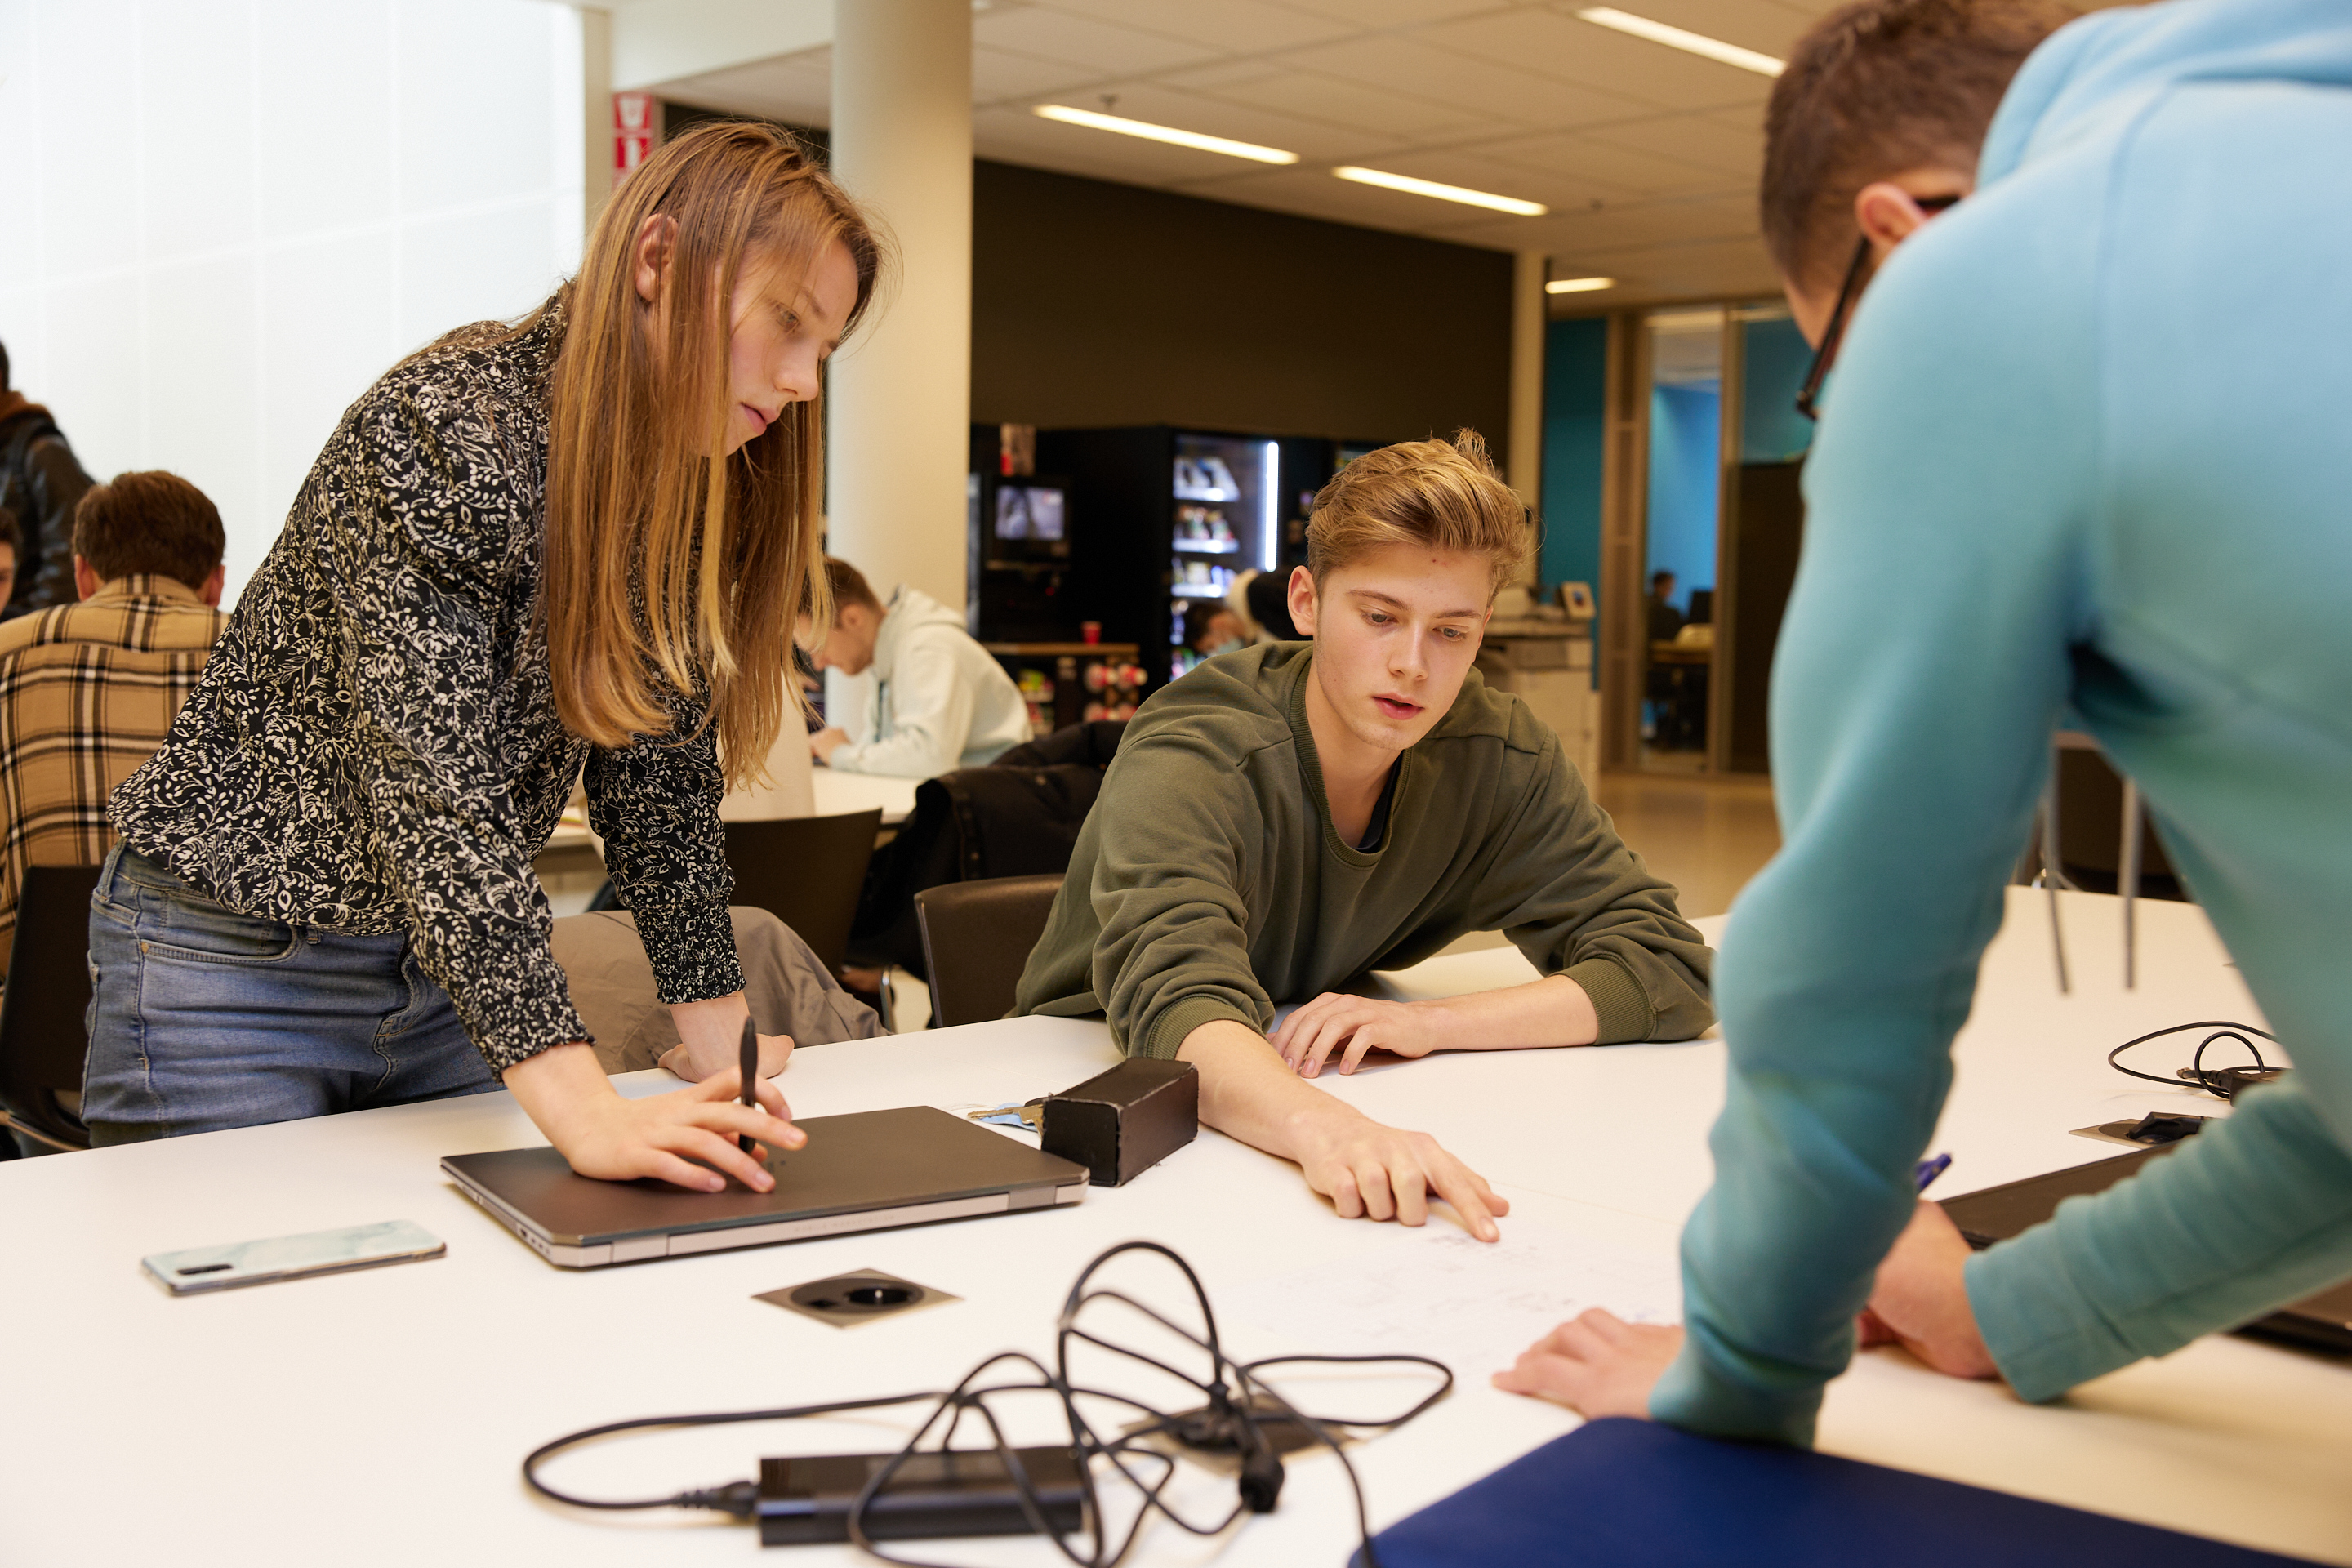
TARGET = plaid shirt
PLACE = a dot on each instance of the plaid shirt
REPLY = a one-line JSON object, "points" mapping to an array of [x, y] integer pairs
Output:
{"points": [[87, 692]]}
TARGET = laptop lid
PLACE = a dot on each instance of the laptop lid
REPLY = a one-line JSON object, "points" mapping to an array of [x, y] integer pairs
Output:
{"points": [[2316, 1323], [870, 1170]]}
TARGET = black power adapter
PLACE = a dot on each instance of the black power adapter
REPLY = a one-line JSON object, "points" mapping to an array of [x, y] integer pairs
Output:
{"points": [[959, 1492]]}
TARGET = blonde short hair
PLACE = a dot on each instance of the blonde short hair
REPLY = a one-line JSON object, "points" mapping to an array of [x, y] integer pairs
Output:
{"points": [[1441, 495]]}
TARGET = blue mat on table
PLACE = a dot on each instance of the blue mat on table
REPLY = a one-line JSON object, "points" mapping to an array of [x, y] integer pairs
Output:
{"points": [[1613, 1494]]}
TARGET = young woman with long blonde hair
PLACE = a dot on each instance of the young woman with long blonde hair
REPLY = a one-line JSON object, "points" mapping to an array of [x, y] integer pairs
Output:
{"points": [[582, 540]]}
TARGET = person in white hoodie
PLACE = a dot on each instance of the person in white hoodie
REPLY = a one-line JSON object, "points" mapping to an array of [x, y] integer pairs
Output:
{"points": [[936, 701]]}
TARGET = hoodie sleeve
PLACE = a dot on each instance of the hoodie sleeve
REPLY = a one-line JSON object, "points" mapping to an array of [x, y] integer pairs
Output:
{"points": [[1922, 664], [1578, 904], [928, 703]]}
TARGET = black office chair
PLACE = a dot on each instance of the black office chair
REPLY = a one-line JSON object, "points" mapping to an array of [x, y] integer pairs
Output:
{"points": [[977, 937], [44, 1028], [806, 871]]}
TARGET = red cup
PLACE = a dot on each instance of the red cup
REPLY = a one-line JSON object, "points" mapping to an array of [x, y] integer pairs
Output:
{"points": [[1090, 632]]}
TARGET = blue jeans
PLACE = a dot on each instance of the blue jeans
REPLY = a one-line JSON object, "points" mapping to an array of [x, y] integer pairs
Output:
{"points": [[202, 1018]]}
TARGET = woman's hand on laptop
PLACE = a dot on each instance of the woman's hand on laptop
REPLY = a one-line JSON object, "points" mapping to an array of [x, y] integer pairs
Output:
{"points": [[710, 1036], [600, 1134]]}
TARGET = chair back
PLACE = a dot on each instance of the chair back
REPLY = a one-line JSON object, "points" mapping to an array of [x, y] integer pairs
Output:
{"points": [[44, 1024], [977, 937], [806, 871]]}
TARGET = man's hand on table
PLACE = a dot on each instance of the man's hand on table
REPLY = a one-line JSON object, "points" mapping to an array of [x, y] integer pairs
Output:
{"points": [[826, 742], [1553, 1011], [1601, 1365], [1352, 1026], [1597, 1363], [1920, 1299], [1364, 1168], [600, 1134]]}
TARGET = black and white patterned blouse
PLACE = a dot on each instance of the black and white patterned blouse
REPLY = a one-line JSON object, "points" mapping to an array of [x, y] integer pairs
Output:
{"points": [[374, 747]]}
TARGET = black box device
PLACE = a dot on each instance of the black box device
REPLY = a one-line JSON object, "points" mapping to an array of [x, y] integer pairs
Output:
{"points": [[1120, 1123], [964, 1492]]}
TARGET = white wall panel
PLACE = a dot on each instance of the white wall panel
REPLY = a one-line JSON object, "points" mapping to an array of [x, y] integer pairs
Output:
{"points": [[328, 329], [195, 97], [81, 73], [489, 263], [203, 388], [327, 129], [227, 217]]}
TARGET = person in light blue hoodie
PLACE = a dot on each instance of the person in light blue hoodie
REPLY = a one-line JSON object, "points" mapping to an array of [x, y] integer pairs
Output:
{"points": [[2088, 451]]}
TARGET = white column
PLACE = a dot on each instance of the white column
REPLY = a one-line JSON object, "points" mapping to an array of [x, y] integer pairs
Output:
{"points": [[901, 389], [596, 112], [1528, 318]]}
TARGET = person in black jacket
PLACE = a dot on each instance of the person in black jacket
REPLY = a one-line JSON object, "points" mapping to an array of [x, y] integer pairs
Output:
{"points": [[41, 482]]}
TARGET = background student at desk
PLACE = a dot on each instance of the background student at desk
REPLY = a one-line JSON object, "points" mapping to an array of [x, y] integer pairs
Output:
{"points": [[925, 699]]}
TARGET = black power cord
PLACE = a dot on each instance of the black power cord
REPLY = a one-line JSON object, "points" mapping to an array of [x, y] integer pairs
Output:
{"points": [[2226, 1082], [1239, 1406]]}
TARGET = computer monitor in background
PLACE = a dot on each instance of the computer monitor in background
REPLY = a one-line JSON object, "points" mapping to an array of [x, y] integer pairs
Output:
{"points": [[1030, 518], [1702, 608]]}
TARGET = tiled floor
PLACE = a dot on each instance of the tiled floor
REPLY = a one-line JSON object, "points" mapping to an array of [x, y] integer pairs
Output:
{"points": [[1706, 833]]}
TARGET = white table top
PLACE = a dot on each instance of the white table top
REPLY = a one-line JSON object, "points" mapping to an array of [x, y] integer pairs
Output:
{"points": [[381, 1416], [838, 792]]}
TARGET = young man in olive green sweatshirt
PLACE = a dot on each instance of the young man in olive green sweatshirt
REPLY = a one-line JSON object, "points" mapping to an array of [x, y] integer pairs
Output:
{"points": [[1287, 818]]}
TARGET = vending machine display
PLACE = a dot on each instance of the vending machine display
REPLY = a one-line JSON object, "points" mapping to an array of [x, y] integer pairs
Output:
{"points": [[1160, 521]]}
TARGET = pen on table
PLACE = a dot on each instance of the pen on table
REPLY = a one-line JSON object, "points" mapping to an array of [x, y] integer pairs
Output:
{"points": [[748, 1058], [1925, 1172]]}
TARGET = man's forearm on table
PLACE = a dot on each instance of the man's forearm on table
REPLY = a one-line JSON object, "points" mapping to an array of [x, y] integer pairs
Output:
{"points": [[1553, 1011], [1246, 1093]]}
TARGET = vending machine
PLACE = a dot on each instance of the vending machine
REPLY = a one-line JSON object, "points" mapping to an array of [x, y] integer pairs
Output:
{"points": [[1162, 519]]}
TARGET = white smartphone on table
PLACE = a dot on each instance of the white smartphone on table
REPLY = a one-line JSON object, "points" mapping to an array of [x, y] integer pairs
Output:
{"points": [[294, 1257]]}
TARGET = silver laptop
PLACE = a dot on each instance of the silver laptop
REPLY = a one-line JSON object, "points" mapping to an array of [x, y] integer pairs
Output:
{"points": [[871, 1171]]}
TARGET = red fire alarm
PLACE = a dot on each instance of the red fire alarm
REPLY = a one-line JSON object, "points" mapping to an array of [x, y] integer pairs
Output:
{"points": [[632, 130]]}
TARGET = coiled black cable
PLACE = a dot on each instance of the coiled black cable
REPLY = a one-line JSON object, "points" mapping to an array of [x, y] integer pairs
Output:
{"points": [[2223, 1081], [1240, 1403]]}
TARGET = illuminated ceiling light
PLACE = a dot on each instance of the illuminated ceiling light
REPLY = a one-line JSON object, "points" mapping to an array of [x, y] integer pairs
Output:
{"points": [[1678, 38], [1168, 133], [1579, 285], [1412, 186]]}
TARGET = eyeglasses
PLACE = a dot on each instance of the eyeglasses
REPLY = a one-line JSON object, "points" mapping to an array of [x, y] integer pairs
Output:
{"points": [[1809, 395]]}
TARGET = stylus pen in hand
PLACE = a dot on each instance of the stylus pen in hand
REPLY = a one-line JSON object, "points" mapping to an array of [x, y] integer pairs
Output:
{"points": [[1926, 1171], [748, 1058]]}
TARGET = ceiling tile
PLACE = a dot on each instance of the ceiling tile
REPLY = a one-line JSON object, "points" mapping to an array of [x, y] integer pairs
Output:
{"points": [[1590, 158], [1374, 14], [1566, 49], [1314, 194], [1018, 136], [1220, 115], [1352, 105], [1751, 24], [1579, 232], [1481, 87], [1084, 41], [1556, 188], [1730, 144], [1222, 74], [998, 74], [794, 89], [1234, 27]]}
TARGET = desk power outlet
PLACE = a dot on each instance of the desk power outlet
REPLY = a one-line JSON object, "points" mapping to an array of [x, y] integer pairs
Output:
{"points": [[964, 1492]]}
